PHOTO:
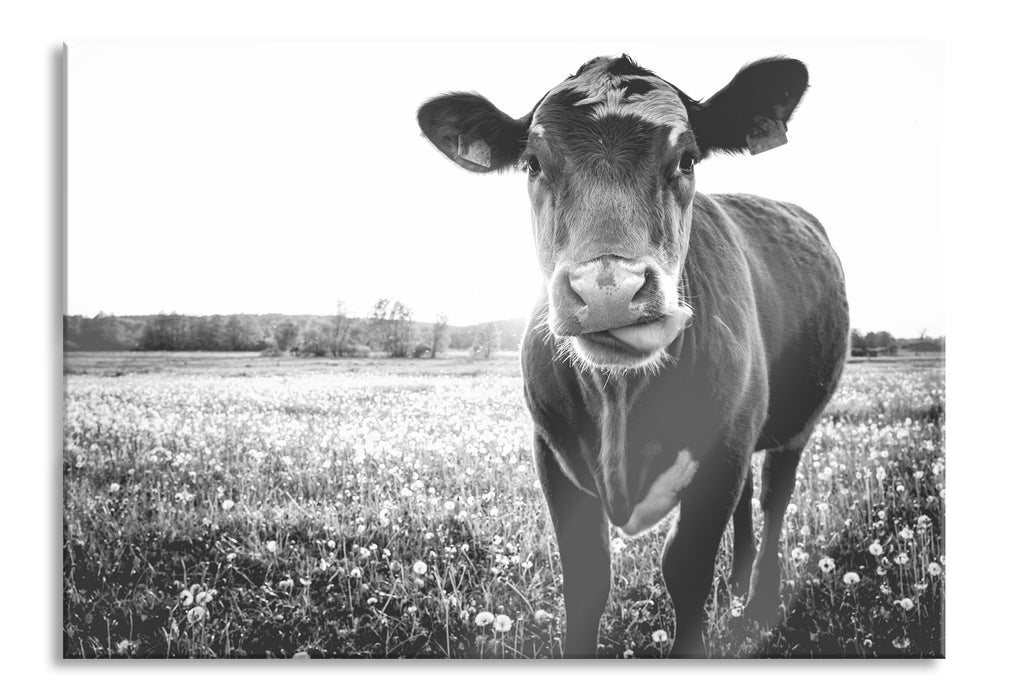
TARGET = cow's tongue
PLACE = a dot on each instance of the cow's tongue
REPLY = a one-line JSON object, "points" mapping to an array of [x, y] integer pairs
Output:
{"points": [[649, 337]]}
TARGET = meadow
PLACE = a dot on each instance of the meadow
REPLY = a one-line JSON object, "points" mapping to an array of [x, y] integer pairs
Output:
{"points": [[236, 506]]}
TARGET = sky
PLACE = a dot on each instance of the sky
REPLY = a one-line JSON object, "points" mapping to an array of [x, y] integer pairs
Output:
{"points": [[285, 177]]}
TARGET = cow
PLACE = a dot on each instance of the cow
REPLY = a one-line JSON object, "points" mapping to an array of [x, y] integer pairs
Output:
{"points": [[676, 334]]}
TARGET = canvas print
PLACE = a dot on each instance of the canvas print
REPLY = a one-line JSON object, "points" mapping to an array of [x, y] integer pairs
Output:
{"points": [[505, 351]]}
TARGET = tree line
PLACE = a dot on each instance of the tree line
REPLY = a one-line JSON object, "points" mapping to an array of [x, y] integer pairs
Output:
{"points": [[883, 342], [389, 328]]}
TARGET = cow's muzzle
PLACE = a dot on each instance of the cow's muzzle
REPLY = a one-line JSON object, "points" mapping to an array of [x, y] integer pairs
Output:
{"points": [[618, 305]]}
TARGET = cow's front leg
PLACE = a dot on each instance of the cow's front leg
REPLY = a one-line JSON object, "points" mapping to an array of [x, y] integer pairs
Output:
{"points": [[583, 542], [688, 561]]}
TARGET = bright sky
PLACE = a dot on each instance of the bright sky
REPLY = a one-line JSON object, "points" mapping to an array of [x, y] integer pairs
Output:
{"points": [[283, 177]]}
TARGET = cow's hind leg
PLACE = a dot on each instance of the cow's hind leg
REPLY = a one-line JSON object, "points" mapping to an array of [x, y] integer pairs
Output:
{"points": [[743, 549], [778, 477]]}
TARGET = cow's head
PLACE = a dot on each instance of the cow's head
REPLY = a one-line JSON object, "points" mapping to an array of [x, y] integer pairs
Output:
{"points": [[610, 156]]}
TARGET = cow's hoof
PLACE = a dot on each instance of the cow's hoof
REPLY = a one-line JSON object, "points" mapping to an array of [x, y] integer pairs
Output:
{"points": [[764, 610]]}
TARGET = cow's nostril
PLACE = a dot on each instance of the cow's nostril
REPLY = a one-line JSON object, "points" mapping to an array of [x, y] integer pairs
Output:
{"points": [[649, 287], [571, 292]]}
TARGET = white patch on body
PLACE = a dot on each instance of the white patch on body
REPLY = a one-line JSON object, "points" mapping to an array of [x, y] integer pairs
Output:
{"points": [[663, 496]]}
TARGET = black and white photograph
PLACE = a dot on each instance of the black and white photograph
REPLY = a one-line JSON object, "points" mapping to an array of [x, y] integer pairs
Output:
{"points": [[503, 350]]}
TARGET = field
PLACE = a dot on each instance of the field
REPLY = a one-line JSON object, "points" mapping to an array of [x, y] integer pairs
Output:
{"points": [[237, 506]]}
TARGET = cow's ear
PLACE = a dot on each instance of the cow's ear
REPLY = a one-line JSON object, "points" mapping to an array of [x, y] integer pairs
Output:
{"points": [[473, 132], [751, 112]]}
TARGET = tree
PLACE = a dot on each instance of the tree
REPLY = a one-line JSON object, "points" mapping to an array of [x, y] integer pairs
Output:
{"points": [[487, 340], [343, 325], [316, 338], [439, 335], [391, 327], [857, 340], [285, 335], [879, 339]]}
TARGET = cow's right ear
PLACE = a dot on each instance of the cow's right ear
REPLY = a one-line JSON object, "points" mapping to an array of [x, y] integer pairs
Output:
{"points": [[473, 132]]}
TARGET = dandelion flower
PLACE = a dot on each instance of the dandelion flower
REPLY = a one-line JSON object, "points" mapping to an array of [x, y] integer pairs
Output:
{"points": [[660, 636], [851, 578], [901, 643], [302, 655], [502, 623], [187, 597], [196, 614], [907, 533], [356, 572], [484, 618], [113, 487], [419, 567], [617, 545], [792, 509], [231, 556], [875, 549], [271, 546], [736, 608], [449, 506], [934, 569], [906, 603], [541, 616], [902, 558], [827, 565], [227, 504]]}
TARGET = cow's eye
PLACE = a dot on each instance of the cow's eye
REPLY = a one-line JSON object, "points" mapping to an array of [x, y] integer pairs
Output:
{"points": [[533, 165], [686, 163]]}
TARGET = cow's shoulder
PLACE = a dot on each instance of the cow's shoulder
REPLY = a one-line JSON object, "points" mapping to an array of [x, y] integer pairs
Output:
{"points": [[762, 220]]}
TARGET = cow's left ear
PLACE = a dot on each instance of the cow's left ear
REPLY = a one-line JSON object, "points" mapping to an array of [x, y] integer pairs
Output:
{"points": [[750, 113], [473, 132]]}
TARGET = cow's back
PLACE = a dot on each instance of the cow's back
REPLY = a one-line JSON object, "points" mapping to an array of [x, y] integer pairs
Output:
{"points": [[798, 286]]}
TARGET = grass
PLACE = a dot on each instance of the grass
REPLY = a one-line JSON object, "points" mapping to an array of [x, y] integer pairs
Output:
{"points": [[240, 506]]}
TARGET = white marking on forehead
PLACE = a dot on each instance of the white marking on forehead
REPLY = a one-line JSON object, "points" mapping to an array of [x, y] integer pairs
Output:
{"points": [[661, 105], [663, 495], [675, 132]]}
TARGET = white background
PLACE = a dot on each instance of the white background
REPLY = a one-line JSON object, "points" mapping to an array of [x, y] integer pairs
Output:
{"points": [[245, 177], [974, 229]]}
